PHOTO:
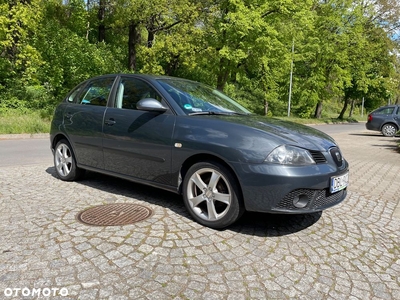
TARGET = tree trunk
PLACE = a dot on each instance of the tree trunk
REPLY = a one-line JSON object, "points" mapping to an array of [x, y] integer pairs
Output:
{"points": [[318, 110], [134, 36], [343, 111], [265, 107], [172, 66], [353, 102], [223, 74], [154, 25], [150, 39], [100, 16], [150, 31]]}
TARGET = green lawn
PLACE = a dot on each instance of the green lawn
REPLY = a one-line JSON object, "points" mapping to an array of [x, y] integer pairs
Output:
{"points": [[15, 122]]}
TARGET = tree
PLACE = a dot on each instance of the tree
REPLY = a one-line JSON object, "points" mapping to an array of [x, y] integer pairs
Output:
{"points": [[19, 22], [370, 59]]}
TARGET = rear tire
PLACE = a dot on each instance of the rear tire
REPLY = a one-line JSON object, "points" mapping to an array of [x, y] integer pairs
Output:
{"points": [[211, 195], [65, 162], [389, 130]]}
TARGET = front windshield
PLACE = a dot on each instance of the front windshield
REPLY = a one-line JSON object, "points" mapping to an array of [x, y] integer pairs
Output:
{"points": [[196, 98]]}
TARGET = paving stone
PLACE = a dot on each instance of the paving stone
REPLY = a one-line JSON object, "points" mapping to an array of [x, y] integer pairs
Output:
{"points": [[350, 251]]}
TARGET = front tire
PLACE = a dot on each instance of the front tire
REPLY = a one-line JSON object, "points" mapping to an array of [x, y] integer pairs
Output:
{"points": [[65, 162], [389, 130], [211, 195]]}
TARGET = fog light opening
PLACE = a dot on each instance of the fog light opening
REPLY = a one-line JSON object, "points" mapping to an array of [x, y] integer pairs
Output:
{"points": [[300, 201]]}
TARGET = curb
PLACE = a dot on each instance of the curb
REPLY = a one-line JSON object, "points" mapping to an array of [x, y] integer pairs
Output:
{"points": [[24, 136]]}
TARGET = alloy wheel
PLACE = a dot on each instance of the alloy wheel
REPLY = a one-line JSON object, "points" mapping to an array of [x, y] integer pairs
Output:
{"points": [[63, 160], [389, 130], [209, 194]]}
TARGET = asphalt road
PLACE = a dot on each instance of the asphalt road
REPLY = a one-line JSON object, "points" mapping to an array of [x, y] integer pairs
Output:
{"points": [[25, 150], [20, 150], [342, 128]]}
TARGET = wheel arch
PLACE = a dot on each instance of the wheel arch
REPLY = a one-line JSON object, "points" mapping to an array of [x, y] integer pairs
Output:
{"points": [[58, 137], [190, 161]]}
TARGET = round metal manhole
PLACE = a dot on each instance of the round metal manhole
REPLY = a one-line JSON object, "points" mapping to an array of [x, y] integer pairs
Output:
{"points": [[114, 214]]}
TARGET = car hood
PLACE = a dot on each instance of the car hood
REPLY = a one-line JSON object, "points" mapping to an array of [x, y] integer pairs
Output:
{"points": [[289, 132], [247, 138]]}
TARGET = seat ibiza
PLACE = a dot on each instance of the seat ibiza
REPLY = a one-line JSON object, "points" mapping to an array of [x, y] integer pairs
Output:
{"points": [[186, 137]]}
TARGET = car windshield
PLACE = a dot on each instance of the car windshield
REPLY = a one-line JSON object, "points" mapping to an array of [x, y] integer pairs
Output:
{"points": [[196, 99]]}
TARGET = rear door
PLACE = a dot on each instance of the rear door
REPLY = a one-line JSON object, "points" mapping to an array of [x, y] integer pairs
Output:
{"points": [[138, 143], [83, 121]]}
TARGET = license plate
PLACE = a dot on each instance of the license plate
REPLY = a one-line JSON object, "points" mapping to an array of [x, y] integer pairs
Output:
{"points": [[339, 182]]}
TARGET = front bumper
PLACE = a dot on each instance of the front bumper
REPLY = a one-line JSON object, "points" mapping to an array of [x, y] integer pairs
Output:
{"points": [[313, 200], [290, 189]]}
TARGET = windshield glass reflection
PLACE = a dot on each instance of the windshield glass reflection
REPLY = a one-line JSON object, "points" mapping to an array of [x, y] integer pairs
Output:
{"points": [[195, 98]]}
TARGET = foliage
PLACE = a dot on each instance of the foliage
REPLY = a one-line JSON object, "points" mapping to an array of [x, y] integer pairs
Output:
{"points": [[344, 50], [23, 122]]}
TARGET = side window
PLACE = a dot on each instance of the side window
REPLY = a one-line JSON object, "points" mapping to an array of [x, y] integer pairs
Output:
{"points": [[385, 111], [96, 92], [72, 97], [398, 111], [131, 90]]}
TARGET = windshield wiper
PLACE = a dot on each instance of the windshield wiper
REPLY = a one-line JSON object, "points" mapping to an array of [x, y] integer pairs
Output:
{"points": [[220, 113]]}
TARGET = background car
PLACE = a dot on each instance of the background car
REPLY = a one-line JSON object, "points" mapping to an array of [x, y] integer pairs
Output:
{"points": [[186, 137], [385, 119]]}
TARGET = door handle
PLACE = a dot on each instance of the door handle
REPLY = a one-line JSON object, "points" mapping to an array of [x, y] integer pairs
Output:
{"points": [[110, 122]]}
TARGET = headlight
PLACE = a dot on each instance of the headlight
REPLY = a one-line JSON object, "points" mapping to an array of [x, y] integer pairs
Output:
{"points": [[290, 155]]}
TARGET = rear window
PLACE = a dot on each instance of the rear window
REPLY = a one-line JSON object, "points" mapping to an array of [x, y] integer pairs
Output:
{"points": [[96, 92]]}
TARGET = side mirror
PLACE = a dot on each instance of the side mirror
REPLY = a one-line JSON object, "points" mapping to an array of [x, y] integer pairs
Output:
{"points": [[151, 104]]}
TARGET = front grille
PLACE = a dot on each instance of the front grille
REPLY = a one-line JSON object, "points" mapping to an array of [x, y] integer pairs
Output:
{"points": [[318, 157], [324, 198], [318, 199]]}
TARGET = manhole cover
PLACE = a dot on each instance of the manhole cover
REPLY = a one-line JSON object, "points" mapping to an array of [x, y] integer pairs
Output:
{"points": [[114, 214]]}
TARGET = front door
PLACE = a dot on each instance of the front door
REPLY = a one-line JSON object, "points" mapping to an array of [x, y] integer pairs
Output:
{"points": [[137, 143]]}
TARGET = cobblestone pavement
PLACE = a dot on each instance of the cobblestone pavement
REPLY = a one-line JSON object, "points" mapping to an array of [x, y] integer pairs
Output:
{"points": [[351, 251]]}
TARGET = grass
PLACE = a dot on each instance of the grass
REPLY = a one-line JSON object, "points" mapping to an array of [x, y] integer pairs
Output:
{"points": [[16, 122]]}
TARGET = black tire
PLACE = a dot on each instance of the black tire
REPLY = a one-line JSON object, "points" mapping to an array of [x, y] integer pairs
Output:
{"points": [[65, 162], [389, 130], [211, 195]]}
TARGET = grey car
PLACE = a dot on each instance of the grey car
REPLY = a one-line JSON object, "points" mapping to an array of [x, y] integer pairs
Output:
{"points": [[188, 138], [385, 119]]}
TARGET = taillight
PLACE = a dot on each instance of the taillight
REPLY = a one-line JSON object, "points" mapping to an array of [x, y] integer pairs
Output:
{"points": [[369, 118]]}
